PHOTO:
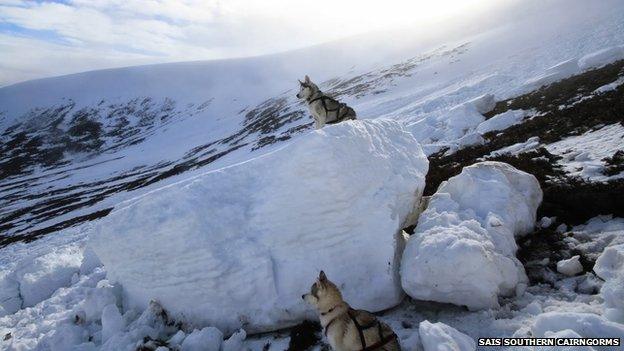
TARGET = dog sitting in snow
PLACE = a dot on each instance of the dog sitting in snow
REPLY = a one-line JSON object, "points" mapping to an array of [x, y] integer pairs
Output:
{"points": [[324, 109], [347, 329]]}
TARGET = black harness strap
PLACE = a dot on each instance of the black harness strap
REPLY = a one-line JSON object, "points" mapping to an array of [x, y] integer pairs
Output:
{"points": [[328, 311], [328, 325], [359, 329], [323, 99], [382, 340]]}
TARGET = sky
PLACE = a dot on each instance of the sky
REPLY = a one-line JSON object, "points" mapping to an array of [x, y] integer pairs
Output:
{"points": [[49, 38]]}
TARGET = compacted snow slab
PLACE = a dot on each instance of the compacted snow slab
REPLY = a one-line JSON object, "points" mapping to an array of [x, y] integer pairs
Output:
{"points": [[237, 247], [463, 249], [587, 325], [439, 336]]}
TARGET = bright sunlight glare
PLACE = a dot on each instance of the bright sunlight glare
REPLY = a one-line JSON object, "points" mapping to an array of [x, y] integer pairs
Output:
{"points": [[341, 18]]}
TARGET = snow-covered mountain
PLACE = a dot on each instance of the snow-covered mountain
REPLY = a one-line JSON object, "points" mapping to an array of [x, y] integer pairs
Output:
{"points": [[72, 148]]}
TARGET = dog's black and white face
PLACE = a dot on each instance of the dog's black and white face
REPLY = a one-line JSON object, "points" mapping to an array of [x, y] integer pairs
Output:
{"points": [[306, 88]]}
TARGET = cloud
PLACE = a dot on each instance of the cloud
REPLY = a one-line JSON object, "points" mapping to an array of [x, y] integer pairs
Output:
{"points": [[44, 38]]}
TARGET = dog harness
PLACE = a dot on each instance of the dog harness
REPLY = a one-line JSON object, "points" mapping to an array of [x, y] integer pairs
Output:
{"points": [[361, 328], [323, 99]]}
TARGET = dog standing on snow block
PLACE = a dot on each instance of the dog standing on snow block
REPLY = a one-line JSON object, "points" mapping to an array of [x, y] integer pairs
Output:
{"points": [[324, 109], [347, 329]]}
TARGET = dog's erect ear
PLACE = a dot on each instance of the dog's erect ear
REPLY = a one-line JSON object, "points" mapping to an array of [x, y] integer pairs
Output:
{"points": [[322, 276], [300, 82], [307, 79]]}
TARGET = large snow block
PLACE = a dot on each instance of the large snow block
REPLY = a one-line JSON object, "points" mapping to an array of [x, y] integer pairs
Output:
{"points": [[463, 249], [237, 247]]}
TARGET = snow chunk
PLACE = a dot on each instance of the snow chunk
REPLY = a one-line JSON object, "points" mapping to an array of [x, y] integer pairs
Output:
{"points": [[546, 222], [567, 334], [601, 58], [467, 140], [610, 267], [207, 339], [570, 267], [587, 325], [463, 249], [517, 148], [150, 325], [502, 121], [441, 337], [533, 308], [238, 246], [97, 299], [554, 74], [411, 342], [112, 322], [235, 342], [177, 338], [43, 275], [89, 261], [611, 262], [446, 129], [484, 103], [10, 300], [612, 293]]}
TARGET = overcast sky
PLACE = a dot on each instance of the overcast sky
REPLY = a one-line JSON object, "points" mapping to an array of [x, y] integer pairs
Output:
{"points": [[46, 38]]}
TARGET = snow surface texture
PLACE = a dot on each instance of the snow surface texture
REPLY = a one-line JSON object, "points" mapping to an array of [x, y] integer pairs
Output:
{"points": [[463, 249], [502, 121], [454, 128], [238, 246], [586, 325], [441, 337], [583, 155], [36, 277], [610, 267]]}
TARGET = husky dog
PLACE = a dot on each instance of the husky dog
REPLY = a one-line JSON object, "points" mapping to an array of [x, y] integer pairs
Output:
{"points": [[347, 329], [324, 109]]}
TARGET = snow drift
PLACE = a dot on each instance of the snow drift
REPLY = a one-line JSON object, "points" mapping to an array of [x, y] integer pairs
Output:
{"points": [[238, 246], [463, 249], [610, 267]]}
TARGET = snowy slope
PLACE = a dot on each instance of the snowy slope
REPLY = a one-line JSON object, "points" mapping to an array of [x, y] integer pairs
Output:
{"points": [[93, 139]]}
